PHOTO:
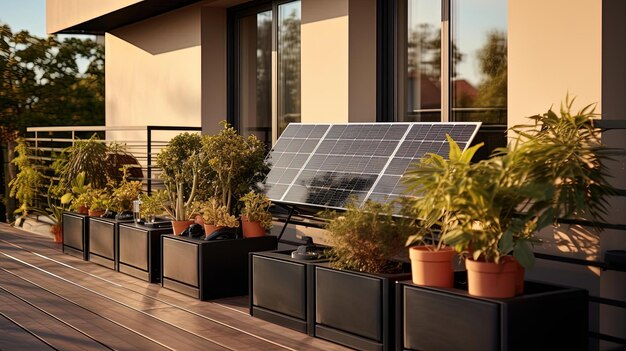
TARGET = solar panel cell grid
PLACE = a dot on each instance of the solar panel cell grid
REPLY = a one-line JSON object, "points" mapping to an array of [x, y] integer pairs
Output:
{"points": [[325, 165]]}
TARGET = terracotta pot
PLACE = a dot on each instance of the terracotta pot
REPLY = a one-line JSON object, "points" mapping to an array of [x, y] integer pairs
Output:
{"points": [[180, 226], [57, 233], [83, 210], [96, 213], [488, 279], [519, 278], [199, 220], [432, 268], [251, 229], [210, 228]]}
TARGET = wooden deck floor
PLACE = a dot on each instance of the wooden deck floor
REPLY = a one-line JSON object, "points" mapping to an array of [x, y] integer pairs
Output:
{"points": [[52, 301]]}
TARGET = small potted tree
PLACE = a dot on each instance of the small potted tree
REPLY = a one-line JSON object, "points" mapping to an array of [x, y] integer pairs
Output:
{"points": [[96, 200], [256, 218], [151, 206], [236, 165], [179, 163], [123, 195]]}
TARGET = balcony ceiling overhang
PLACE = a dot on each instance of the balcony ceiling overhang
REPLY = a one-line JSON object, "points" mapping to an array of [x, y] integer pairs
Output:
{"points": [[130, 14]]}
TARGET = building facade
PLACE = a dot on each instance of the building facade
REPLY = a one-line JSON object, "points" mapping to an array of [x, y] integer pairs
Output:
{"points": [[262, 64]]}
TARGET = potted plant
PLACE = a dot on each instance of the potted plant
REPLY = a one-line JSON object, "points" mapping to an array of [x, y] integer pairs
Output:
{"points": [[364, 242], [430, 184], [256, 218], [237, 164], [25, 185], [123, 195], [554, 169], [179, 163], [151, 206], [98, 201], [76, 197], [216, 216], [54, 212]]}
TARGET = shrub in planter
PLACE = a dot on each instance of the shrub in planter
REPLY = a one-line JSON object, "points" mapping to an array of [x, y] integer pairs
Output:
{"points": [[76, 197], [151, 205], [366, 239], [256, 218], [123, 195], [97, 200]]}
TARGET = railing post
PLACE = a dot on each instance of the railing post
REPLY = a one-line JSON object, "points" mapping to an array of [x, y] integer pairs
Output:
{"points": [[149, 163]]}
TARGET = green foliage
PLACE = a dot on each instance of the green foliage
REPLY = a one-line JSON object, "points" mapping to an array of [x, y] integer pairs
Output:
{"points": [[85, 156], [256, 207], [152, 205], [41, 83], [216, 214], [491, 208], [365, 239], [237, 163], [124, 193], [24, 187], [179, 162], [434, 182]]}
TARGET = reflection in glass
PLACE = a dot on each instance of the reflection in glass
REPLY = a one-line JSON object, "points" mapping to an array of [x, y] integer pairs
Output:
{"points": [[255, 76], [421, 88], [288, 65], [479, 81]]}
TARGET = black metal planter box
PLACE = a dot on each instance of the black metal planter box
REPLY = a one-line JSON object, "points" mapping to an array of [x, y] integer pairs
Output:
{"points": [[281, 290], [209, 269], [139, 250], [355, 309], [102, 241], [76, 234], [545, 317]]}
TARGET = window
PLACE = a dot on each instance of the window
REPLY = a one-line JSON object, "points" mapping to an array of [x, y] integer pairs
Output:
{"points": [[267, 69], [449, 63]]}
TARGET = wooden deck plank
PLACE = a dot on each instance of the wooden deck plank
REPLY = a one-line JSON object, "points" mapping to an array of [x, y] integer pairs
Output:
{"points": [[231, 313], [13, 337], [99, 328], [54, 332], [140, 323]]}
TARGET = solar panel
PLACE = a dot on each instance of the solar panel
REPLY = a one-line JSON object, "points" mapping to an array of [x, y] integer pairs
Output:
{"points": [[326, 164]]}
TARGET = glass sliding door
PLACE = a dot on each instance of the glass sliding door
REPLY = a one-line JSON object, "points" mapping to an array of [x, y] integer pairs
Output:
{"points": [[254, 107], [419, 90], [479, 82], [288, 64], [267, 56]]}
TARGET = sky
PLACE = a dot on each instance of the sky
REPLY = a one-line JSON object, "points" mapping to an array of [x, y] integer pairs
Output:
{"points": [[24, 14]]}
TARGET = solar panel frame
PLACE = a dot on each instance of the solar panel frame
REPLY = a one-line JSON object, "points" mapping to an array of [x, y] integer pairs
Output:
{"points": [[331, 160]]}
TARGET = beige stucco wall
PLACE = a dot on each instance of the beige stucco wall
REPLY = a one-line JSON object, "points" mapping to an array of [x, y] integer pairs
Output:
{"points": [[153, 71], [61, 14], [551, 53], [338, 61]]}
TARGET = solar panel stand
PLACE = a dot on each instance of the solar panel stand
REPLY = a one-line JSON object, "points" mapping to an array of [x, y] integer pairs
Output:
{"points": [[282, 231]]}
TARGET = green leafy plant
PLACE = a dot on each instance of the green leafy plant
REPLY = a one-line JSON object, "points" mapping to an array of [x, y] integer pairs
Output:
{"points": [[432, 182], [237, 163], [88, 156], [179, 162], [494, 207], [216, 214], [151, 205], [124, 193], [24, 187], [256, 209], [75, 197], [366, 239]]}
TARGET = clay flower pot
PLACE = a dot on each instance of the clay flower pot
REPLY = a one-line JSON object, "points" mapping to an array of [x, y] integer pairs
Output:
{"points": [[210, 228], [95, 213], [432, 268], [251, 229], [83, 210], [57, 233], [519, 278], [180, 226], [489, 279]]}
